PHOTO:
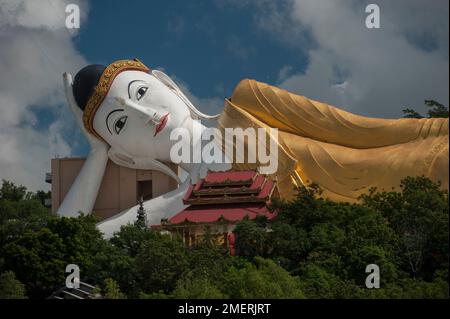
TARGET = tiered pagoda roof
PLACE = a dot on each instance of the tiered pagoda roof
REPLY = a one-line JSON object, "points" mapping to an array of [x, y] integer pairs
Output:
{"points": [[227, 196]]}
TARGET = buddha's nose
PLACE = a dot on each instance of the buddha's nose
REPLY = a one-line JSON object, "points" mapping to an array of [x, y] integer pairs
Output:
{"points": [[147, 113]]}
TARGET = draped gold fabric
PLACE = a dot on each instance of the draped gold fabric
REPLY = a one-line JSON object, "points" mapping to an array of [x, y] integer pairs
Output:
{"points": [[346, 154]]}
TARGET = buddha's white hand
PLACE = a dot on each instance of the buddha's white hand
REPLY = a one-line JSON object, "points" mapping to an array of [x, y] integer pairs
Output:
{"points": [[95, 143], [140, 163], [83, 192]]}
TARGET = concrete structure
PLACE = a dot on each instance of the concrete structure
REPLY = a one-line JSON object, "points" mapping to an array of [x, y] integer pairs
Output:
{"points": [[120, 188]]}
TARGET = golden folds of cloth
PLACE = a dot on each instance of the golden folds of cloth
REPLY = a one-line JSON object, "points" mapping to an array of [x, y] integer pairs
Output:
{"points": [[346, 154]]}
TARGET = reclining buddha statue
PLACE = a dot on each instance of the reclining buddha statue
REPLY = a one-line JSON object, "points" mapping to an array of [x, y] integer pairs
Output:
{"points": [[128, 111]]}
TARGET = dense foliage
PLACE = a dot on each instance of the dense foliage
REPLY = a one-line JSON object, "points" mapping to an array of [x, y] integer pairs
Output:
{"points": [[328, 245], [436, 110], [315, 248]]}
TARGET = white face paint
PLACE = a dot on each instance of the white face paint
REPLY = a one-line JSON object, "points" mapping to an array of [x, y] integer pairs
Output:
{"points": [[143, 128]]}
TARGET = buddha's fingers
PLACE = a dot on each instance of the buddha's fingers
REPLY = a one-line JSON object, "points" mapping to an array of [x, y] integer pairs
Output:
{"points": [[67, 81]]}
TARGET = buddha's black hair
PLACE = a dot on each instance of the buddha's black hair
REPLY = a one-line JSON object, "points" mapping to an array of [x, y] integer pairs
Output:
{"points": [[84, 83]]}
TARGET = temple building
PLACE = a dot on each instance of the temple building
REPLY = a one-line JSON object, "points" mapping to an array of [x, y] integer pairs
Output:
{"points": [[218, 202]]}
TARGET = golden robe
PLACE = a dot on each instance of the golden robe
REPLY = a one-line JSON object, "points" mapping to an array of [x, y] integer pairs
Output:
{"points": [[346, 154]]}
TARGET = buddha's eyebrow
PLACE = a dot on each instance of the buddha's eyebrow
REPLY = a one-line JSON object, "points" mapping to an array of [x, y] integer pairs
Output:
{"points": [[129, 84]]}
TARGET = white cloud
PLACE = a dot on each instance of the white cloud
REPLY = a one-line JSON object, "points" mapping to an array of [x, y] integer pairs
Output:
{"points": [[373, 72], [35, 49], [285, 72]]}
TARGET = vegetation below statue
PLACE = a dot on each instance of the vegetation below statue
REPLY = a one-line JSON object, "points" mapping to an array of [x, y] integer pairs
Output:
{"points": [[316, 249]]}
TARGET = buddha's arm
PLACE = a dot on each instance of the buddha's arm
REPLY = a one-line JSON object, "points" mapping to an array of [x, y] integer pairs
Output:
{"points": [[83, 192], [164, 206]]}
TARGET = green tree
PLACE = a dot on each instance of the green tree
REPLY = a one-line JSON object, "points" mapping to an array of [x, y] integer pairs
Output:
{"points": [[109, 261], [436, 110], [263, 279], [288, 244], [141, 215], [81, 239], [9, 191], [318, 283], [15, 204], [419, 216], [160, 263], [310, 228], [197, 288], [411, 114], [328, 245], [42, 196], [154, 295], [209, 261], [37, 257], [112, 290], [131, 237], [251, 239], [315, 248], [10, 287]]}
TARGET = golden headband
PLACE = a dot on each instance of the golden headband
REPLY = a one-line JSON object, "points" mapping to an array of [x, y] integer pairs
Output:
{"points": [[103, 86]]}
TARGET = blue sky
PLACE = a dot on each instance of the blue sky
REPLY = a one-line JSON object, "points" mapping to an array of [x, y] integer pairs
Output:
{"points": [[209, 47]]}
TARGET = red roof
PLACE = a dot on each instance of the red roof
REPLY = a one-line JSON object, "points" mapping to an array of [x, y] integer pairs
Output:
{"points": [[235, 176], [231, 195], [230, 187], [213, 213]]}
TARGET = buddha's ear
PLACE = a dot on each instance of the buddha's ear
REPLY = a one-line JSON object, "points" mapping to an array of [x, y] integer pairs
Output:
{"points": [[122, 159], [167, 81], [68, 90]]}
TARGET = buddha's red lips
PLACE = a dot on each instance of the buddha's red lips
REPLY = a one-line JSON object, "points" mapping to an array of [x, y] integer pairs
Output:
{"points": [[162, 123]]}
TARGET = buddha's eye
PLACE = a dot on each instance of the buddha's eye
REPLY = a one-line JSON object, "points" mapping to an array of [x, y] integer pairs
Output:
{"points": [[119, 124], [141, 92]]}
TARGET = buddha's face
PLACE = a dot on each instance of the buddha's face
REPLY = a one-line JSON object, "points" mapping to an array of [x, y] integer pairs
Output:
{"points": [[143, 128]]}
